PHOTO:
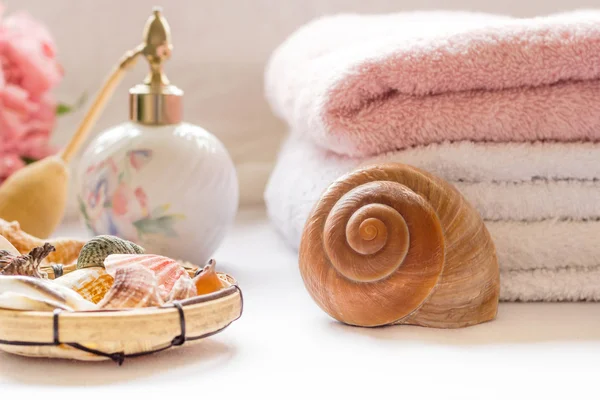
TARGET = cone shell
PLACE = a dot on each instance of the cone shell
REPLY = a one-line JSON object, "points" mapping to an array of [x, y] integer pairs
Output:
{"points": [[34, 294], [207, 280], [134, 286], [91, 283], [97, 249], [392, 244], [167, 271], [67, 249]]}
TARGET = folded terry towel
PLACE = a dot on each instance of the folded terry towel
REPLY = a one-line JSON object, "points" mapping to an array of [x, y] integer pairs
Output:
{"points": [[565, 284], [503, 181], [364, 85], [538, 244]]}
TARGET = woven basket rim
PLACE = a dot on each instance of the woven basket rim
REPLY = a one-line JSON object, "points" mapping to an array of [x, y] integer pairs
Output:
{"points": [[197, 316], [93, 335], [128, 312]]}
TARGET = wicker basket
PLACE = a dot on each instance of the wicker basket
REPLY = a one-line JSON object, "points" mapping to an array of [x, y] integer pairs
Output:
{"points": [[116, 335]]}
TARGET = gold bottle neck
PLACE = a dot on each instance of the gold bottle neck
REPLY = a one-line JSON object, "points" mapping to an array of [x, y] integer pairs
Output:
{"points": [[155, 104], [156, 101]]}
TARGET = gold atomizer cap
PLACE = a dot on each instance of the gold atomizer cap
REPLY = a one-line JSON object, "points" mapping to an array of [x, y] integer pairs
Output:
{"points": [[156, 101]]}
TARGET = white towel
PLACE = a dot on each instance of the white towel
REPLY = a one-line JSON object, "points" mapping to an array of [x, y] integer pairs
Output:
{"points": [[565, 284], [533, 207]]}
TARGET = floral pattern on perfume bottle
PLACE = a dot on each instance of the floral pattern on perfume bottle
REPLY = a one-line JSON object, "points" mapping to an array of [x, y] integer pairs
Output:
{"points": [[110, 203]]}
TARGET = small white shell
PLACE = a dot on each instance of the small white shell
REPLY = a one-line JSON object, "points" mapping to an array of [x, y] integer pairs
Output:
{"points": [[18, 301], [183, 289], [91, 283], [34, 294]]}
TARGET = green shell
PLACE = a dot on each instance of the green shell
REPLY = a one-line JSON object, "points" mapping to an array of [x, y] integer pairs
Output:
{"points": [[97, 249]]}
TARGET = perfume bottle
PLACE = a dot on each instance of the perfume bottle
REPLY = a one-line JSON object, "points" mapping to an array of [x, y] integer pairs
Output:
{"points": [[156, 180]]}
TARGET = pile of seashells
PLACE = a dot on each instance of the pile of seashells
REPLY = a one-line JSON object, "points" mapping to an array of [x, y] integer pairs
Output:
{"points": [[107, 273]]}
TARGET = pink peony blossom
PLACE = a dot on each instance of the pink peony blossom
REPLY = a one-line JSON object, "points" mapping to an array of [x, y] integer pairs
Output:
{"points": [[28, 71]]}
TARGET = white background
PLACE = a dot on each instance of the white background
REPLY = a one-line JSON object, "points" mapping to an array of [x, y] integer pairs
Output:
{"points": [[284, 347]]}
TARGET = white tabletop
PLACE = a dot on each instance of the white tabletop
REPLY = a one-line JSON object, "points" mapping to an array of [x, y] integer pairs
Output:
{"points": [[284, 346]]}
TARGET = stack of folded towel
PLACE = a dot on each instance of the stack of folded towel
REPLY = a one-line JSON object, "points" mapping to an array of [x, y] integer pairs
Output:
{"points": [[506, 109]]}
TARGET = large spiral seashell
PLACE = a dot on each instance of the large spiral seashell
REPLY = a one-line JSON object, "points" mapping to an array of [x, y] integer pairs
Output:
{"points": [[392, 244]]}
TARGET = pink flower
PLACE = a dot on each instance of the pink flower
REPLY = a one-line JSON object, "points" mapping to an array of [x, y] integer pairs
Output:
{"points": [[28, 71]]}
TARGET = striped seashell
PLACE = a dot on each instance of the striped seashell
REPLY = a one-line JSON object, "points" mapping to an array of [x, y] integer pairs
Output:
{"points": [[26, 265], [167, 271], [97, 249], [91, 283], [135, 286], [34, 294], [183, 289]]}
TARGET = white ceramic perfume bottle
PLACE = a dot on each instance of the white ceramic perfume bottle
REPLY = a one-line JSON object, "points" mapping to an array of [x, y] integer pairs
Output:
{"points": [[160, 182]]}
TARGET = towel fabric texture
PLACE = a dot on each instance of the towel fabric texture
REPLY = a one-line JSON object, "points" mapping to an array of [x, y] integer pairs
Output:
{"points": [[542, 218], [367, 84], [506, 109]]}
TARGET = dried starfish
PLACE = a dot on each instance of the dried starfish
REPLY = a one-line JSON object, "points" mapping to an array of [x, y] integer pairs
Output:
{"points": [[67, 250], [27, 265]]}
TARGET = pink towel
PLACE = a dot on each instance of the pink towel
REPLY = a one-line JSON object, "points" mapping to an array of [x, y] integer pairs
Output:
{"points": [[364, 85]]}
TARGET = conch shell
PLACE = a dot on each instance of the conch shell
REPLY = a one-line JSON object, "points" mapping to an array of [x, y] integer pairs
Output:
{"points": [[392, 244], [67, 250], [34, 294], [95, 251], [207, 280], [134, 286], [91, 283], [27, 265]]}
